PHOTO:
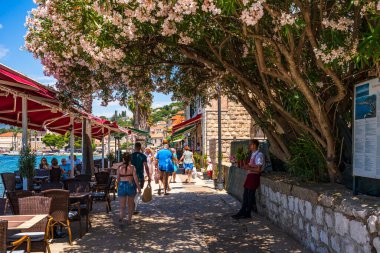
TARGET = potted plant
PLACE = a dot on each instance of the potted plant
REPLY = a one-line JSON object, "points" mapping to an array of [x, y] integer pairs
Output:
{"points": [[246, 158], [27, 164], [111, 157]]}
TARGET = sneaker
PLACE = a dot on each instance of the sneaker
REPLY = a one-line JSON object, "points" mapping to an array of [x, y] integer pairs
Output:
{"points": [[237, 216]]}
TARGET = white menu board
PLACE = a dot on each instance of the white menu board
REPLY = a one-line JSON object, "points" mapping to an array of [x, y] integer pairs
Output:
{"points": [[366, 131]]}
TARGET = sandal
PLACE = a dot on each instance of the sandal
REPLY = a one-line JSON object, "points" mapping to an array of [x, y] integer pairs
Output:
{"points": [[159, 191]]}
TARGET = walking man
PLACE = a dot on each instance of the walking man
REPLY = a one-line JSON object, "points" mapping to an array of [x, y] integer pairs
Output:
{"points": [[164, 163], [252, 181], [139, 160]]}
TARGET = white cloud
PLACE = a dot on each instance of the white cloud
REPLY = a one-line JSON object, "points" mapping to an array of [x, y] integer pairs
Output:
{"points": [[46, 80], [1, 26], [3, 51]]}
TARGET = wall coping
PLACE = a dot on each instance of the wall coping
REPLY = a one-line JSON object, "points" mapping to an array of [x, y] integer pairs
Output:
{"points": [[329, 195]]}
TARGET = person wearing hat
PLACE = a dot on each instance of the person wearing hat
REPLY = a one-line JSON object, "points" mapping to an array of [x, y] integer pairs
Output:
{"points": [[164, 162]]}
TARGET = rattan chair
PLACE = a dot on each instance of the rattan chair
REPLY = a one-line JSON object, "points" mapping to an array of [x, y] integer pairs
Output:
{"points": [[13, 198], [60, 211], [51, 185], [85, 204], [4, 246], [83, 177], [39, 233], [102, 188], [9, 182]]}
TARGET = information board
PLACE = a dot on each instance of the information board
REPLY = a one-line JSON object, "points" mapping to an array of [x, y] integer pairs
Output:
{"points": [[366, 129]]}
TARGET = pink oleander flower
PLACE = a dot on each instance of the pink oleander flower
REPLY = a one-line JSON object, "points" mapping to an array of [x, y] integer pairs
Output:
{"points": [[253, 14]]}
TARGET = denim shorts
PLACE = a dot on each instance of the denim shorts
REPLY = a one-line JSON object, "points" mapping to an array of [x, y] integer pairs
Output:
{"points": [[188, 166], [126, 189]]}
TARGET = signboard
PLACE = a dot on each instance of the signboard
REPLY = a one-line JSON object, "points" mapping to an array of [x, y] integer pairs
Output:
{"points": [[366, 133]]}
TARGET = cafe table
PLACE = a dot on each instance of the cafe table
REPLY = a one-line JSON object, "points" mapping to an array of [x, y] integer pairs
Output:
{"points": [[19, 222]]}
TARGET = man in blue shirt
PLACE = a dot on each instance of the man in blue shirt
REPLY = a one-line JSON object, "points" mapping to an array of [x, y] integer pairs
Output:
{"points": [[66, 167], [163, 161]]}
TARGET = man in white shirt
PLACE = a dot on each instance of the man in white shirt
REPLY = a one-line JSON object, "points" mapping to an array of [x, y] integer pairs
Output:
{"points": [[252, 181]]}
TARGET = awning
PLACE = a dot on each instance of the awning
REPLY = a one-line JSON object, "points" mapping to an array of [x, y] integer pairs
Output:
{"points": [[128, 130], [44, 109], [186, 123], [183, 131]]}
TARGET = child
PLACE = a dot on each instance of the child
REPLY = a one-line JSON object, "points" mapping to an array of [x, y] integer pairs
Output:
{"points": [[209, 168]]}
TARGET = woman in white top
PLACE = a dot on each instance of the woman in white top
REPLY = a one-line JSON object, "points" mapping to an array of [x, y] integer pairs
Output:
{"points": [[150, 160], [188, 163]]}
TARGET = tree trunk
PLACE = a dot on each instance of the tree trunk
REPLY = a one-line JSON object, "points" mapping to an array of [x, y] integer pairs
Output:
{"points": [[87, 153]]}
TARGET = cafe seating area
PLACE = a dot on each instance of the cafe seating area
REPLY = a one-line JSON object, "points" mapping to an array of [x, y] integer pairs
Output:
{"points": [[30, 220]]}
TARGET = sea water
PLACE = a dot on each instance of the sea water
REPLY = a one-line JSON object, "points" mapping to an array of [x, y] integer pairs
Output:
{"points": [[10, 164]]}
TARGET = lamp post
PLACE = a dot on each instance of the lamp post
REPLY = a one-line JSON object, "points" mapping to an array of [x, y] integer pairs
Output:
{"points": [[220, 174]]}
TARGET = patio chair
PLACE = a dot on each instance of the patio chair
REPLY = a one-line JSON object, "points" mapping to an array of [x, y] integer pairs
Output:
{"points": [[51, 185], [39, 233], [9, 182], [4, 246], [3, 206], [102, 189], [18, 180], [85, 204], [13, 198], [60, 211], [113, 187], [83, 177]]}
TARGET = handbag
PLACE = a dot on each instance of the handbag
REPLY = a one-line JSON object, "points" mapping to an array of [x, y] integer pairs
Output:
{"points": [[169, 165], [147, 194]]}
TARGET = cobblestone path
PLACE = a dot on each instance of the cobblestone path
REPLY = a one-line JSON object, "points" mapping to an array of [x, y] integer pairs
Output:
{"points": [[193, 218]]}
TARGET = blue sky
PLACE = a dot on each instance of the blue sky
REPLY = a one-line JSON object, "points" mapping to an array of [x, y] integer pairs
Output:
{"points": [[12, 31]]}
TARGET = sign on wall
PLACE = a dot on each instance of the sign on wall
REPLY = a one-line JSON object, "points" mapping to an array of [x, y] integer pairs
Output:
{"points": [[366, 158]]}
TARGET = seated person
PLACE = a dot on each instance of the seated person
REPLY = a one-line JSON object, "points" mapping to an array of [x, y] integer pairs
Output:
{"points": [[67, 169], [55, 171]]}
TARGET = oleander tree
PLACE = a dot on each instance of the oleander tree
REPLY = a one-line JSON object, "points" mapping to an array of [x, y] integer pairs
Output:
{"points": [[290, 63]]}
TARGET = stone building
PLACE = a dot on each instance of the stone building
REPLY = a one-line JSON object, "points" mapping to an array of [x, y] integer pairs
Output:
{"points": [[237, 124]]}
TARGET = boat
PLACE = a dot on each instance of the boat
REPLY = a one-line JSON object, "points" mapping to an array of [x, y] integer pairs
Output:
{"points": [[12, 153]]}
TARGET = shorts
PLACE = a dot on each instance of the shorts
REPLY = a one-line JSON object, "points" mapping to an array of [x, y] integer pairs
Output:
{"points": [[188, 166], [126, 189]]}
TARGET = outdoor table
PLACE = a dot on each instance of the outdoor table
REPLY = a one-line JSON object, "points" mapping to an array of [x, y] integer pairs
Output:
{"points": [[79, 195], [19, 222]]}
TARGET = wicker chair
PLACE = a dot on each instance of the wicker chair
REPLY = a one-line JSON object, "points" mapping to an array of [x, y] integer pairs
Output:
{"points": [[13, 198], [85, 204], [9, 182], [14, 245], [3, 206], [51, 185], [39, 232], [102, 188], [60, 211], [83, 177]]}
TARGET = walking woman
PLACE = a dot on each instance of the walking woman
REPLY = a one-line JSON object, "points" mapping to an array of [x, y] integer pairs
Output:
{"points": [[150, 162], [128, 183], [188, 163]]}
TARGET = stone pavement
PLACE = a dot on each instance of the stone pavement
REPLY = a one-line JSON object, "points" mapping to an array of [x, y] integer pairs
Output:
{"points": [[193, 218]]}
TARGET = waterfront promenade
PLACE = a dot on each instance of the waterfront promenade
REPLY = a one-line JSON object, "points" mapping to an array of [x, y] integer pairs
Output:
{"points": [[193, 218]]}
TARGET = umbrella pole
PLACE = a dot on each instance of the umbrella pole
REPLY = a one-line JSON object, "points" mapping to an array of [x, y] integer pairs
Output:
{"points": [[109, 149], [24, 123], [103, 148], [72, 146]]}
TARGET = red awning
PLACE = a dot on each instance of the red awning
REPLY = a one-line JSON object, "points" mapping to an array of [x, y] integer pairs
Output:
{"points": [[44, 111], [186, 123]]}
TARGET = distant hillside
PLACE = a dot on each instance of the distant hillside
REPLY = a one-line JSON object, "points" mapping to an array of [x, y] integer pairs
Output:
{"points": [[167, 111]]}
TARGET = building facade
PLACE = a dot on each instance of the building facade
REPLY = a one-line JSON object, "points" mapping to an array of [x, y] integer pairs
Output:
{"points": [[236, 124]]}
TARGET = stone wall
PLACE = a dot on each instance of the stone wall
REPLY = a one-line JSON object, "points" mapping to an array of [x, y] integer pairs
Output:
{"points": [[324, 217], [236, 124]]}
